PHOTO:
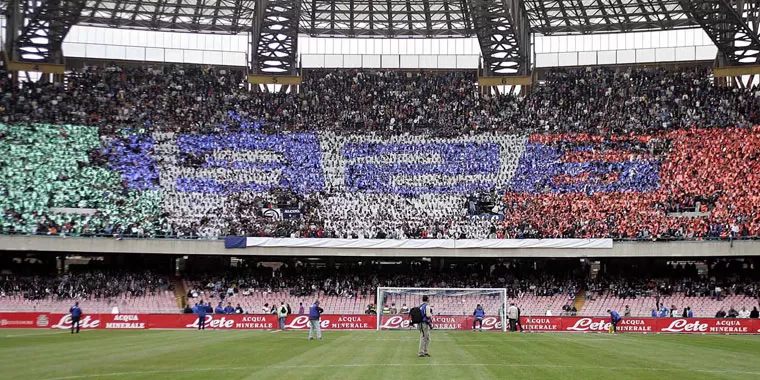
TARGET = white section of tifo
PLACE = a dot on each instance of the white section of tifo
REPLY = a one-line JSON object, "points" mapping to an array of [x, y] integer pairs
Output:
{"points": [[334, 163], [365, 214], [346, 211]]}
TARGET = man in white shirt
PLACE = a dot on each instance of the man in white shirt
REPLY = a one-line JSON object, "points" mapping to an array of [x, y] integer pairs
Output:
{"points": [[744, 313], [512, 315]]}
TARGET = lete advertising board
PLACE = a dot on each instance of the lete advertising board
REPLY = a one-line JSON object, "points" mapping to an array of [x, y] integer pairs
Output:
{"points": [[440, 322], [214, 321], [24, 320], [369, 322]]}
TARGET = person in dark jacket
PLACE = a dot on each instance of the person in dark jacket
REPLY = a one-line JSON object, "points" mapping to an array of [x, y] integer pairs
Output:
{"points": [[201, 316], [754, 313], [479, 314], [76, 314], [615, 318]]}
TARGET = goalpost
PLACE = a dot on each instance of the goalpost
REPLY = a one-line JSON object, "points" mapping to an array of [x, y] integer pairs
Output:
{"points": [[456, 303]]}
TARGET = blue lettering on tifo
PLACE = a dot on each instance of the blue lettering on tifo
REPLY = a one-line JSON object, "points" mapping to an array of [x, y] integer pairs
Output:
{"points": [[130, 156], [542, 169], [459, 168], [299, 170]]}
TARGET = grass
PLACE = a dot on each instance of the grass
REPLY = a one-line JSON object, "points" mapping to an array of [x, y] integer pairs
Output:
{"points": [[48, 355]]}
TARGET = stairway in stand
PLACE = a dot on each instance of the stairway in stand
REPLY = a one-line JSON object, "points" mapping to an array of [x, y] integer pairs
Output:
{"points": [[180, 292], [580, 300]]}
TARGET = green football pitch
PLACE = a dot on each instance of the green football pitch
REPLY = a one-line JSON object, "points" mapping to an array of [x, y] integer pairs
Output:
{"points": [[48, 355]]}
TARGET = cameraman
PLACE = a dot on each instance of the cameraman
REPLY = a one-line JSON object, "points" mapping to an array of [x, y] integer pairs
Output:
{"points": [[424, 327]]}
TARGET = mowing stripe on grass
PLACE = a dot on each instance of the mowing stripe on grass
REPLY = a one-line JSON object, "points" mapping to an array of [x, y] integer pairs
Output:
{"points": [[550, 366], [37, 334]]}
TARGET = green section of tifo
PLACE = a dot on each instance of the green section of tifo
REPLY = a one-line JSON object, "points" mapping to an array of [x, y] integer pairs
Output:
{"points": [[48, 166]]}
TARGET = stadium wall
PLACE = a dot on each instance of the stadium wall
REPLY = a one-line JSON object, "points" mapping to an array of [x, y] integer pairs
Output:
{"points": [[216, 247], [369, 322]]}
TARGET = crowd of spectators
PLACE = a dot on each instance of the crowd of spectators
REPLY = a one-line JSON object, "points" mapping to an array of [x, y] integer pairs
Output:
{"points": [[189, 151], [717, 279], [363, 279], [90, 284], [191, 98]]}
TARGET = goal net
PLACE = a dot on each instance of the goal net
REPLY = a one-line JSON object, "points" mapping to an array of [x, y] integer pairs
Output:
{"points": [[453, 308]]}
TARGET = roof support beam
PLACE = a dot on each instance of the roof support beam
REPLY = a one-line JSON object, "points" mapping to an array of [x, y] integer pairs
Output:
{"points": [[428, 22], [40, 28], [504, 36], [737, 43], [275, 37]]}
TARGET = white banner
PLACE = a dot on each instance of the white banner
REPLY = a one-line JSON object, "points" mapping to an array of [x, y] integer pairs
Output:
{"points": [[429, 243]]}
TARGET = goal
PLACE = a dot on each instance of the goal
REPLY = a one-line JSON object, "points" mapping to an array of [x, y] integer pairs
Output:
{"points": [[452, 307]]}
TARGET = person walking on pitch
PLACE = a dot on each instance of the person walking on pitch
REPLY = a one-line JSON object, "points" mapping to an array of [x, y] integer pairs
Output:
{"points": [[423, 317], [479, 314], [201, 316], [76, 315], [314, 313], [512, 315], [615, 318]]}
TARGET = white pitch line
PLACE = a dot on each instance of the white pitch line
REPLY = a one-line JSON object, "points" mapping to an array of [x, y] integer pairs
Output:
{"points": [[286, 367], [37, 334]]}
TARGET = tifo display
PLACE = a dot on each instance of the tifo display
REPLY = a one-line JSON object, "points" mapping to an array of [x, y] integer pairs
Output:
{"points": [[652, 154]]}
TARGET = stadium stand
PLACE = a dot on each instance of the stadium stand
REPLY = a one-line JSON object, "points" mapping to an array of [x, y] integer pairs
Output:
{"points": [[129, 292], [186, 151], [351, 288]]}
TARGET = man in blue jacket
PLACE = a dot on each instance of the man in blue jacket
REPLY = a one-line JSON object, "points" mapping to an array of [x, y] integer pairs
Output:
{"points": [[314, 313], [201, 316], [479, 314], [219, 309], [76, 314], [615, 318]]}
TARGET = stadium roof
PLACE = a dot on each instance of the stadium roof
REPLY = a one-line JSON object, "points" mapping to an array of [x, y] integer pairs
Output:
{"points": [[503, 27], [388, 18]]}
